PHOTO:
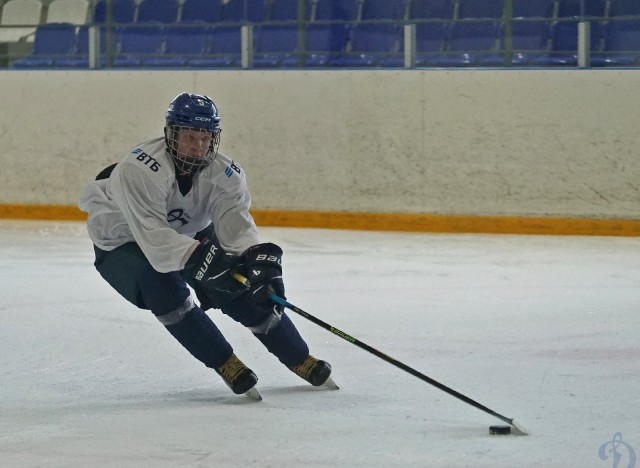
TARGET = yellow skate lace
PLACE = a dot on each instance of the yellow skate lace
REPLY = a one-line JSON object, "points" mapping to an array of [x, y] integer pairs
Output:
{"points": [[304, 369], [232, 368]]}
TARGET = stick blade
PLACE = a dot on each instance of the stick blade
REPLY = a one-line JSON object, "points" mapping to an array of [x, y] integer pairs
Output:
{"points": [[517, 429]]}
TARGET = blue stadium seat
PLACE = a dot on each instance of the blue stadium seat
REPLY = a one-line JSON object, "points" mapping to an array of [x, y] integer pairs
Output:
{"points": [[224, 49], [275, 46], [284, 10], [80, 58], [137, 43], [163, 11], [431, 39], [324, 42], [237, 11], [182, 43], [209, 11], [431, 9], [480, 9], [621, 45], [373, 45], [564, 44], [383, 10], [472, 44], [533, 8], [573, 8], [529, 40], [624, 8], [123, 11], [338, 10], [51, 41]]}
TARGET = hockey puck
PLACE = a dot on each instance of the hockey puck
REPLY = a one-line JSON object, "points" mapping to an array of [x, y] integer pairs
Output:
{"points": [[499, 430]]}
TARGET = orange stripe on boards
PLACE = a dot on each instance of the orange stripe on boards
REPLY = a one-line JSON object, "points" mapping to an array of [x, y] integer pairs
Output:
{"points": [[449, 223], [44, 212], [405, 222]]}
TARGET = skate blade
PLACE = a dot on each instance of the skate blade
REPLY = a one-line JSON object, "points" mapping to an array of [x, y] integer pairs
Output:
{"points": [[330, 384], [254, 394]]}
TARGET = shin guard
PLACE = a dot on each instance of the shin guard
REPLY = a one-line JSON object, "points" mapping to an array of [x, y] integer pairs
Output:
{"points": [[284, 342], [197, 333]]}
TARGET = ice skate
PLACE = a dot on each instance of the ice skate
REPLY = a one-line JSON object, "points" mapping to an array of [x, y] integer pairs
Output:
{"points": [[239, 377], [316, 372]]}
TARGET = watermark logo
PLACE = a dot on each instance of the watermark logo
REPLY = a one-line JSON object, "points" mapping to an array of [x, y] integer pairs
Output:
{"points": [[618, 451]]}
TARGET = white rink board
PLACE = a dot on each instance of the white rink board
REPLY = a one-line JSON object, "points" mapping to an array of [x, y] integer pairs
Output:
{"points": [[488, 142]]}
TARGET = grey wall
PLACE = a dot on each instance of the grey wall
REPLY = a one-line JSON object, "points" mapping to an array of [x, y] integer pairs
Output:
{"points": [[491, 142]]}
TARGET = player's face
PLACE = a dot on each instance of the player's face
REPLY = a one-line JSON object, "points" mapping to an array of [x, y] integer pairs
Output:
{"points": [[193, 143]]}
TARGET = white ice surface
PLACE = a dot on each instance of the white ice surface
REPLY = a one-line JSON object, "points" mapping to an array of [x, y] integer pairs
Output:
{"points": [[542, 329]]}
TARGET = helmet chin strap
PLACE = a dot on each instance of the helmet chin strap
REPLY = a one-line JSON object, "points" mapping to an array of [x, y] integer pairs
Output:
{"points": [[184, 180], [182, 172]]}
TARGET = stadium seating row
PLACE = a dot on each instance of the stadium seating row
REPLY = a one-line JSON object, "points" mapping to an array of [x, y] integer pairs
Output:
{"points": [[34, 12], [533, 42], [351, 33]]}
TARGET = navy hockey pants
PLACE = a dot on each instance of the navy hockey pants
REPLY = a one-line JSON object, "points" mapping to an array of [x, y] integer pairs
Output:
{"points": [[128, 271]]}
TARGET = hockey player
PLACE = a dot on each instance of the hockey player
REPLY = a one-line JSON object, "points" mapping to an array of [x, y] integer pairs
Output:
{"points": [[174, 212]]}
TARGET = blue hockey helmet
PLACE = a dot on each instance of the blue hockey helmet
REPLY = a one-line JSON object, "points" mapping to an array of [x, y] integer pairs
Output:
{"points": [[192, 132]]}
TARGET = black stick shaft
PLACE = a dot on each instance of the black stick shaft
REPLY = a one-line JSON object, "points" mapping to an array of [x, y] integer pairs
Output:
{"points": [[389, 359]]}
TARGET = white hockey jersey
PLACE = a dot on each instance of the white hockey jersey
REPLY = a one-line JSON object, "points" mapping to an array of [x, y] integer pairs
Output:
{"points": [[141, 201]]}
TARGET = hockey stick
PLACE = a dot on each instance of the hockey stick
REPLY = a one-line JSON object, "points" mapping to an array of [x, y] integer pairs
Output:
{"points": [[518, 429]]}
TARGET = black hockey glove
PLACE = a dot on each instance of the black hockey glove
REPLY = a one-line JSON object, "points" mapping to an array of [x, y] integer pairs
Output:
{"points": [[263, 264], [209, 271]]}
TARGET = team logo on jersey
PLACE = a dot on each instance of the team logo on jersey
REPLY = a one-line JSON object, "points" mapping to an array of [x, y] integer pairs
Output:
{"points": [[233, 167], [147, 159], [178, 215]]}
